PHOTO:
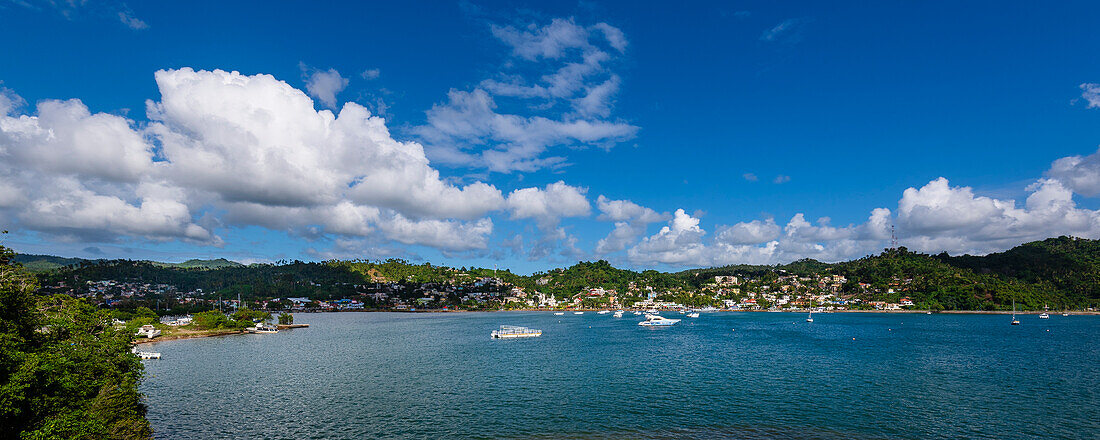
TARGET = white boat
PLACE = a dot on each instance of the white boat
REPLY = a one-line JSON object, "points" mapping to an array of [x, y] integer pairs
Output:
{"points": [[637, 313], [693, 315], [1044, 315], [708, 309], [618, 314], [578, 313], [263, 328], [657, 321], [1065, 314], [1014, 320], [559, 313], [810, 318], [145, 354], [603, 312], [148, 331], [514, 332]]}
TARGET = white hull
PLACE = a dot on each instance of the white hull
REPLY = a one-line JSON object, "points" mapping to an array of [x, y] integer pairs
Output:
{"points": [[517, 336], [513, 332]]}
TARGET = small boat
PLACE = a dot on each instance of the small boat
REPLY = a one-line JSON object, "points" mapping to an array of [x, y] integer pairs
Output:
{"points": [[1044, 315], [603, 312], [927, 313], [810, 318], [657, 321], [618, 314], [1065, 314], [514, 332], [1014, 320], [145, 354], [693, 315], [559, 313], [637, 313], [578, 313], [263, 328]]}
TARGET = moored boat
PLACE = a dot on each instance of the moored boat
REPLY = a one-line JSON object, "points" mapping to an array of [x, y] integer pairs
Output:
{"points": [[263, 327], [1014, 320], [559, 313], [657, 321], [514, 332]]}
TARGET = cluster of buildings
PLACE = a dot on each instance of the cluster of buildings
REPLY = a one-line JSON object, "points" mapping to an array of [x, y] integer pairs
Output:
{"points": [[771, 291]]}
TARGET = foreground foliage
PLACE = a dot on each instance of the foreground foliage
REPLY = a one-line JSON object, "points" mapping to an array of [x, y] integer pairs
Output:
{"points": [[65, 371]]}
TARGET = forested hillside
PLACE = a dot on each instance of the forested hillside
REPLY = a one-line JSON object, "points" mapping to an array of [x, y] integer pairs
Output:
{"points": [[1059, 272]]}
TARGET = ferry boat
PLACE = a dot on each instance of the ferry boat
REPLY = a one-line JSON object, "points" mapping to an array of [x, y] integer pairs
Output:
{"points": [[513, 332], [263, 328], [658, 321], [148, 331]]}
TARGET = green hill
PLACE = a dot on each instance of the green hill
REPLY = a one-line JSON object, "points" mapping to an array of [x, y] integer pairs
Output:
{"points": [[1067, 269], [202, 264], [1060, 272], [45, 263]]}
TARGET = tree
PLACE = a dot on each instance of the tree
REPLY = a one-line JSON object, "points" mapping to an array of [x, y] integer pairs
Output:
{"points": [[286, 319], [66, 372]]}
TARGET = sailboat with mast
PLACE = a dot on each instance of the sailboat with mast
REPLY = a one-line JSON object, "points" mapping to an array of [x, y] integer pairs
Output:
{"points": [[810, 318], [1014, 320]]}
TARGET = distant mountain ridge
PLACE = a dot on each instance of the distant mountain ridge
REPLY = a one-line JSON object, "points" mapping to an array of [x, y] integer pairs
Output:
{"points": [[48, 263]]}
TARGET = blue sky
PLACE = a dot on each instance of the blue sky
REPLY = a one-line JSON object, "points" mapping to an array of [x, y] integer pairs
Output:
{"points": [[742, 115]]}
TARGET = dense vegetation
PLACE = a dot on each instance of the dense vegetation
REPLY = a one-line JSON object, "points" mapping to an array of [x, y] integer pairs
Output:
{"points": [[1059, 272], [65, 371]]}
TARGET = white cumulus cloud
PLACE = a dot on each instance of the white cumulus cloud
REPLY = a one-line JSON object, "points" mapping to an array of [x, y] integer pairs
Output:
{"points": [[568, 105]]}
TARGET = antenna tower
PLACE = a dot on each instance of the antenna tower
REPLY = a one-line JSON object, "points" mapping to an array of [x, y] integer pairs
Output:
{"points": [[893, 239]]}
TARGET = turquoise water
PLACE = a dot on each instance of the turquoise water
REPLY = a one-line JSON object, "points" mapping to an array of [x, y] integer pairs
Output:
{"points": [[722, 375]]}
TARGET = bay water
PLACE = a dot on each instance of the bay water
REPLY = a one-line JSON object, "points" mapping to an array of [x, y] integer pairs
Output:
{"points": [[722, 375]]}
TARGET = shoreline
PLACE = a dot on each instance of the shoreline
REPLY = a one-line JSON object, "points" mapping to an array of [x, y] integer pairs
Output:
{"points": [[217, 333], [951, 312], [293, 326]]}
